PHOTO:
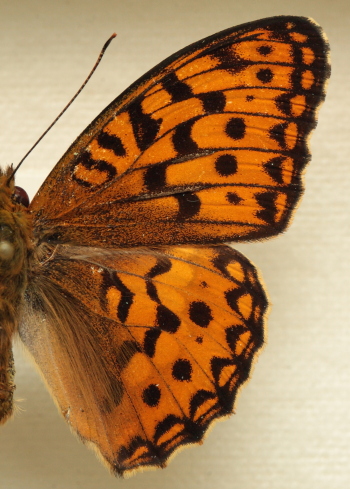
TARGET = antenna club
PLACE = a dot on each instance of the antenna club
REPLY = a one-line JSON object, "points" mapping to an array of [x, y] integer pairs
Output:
{"points": [[107, 43]]}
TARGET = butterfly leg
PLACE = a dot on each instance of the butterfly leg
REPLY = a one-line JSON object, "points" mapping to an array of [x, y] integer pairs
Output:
{"points": [[7, 372]]}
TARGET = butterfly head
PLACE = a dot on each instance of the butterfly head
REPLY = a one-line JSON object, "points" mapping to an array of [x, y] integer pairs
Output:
{"points": [[14, 229]]}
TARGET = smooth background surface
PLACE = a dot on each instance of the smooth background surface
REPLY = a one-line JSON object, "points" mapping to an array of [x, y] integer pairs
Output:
{"points": [[292, 427]]}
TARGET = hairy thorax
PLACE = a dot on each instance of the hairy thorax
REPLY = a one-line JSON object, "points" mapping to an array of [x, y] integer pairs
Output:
{"points": [[14, 249]]}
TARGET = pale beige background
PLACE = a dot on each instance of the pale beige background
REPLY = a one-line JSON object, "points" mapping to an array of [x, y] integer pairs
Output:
{"points": [[292, 427]]}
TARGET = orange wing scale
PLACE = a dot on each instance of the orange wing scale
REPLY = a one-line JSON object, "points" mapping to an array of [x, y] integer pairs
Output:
{"points": [[210, 145], [167, 339], [142, 323]]}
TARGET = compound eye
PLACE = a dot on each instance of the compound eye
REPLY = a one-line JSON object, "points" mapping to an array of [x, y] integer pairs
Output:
{"points": [[7, 250], [20, 196]]}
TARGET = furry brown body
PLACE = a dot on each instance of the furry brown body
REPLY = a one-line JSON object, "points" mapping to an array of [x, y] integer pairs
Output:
{"points": [[15, 242]]}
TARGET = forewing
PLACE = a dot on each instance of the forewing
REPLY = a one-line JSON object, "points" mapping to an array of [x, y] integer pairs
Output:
{"points": [[208, 146], [143, 349]]}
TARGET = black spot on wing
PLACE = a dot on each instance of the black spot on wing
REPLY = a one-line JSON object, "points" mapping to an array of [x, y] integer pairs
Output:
{"points": [[235, 128], [165, 426], [230, 61], [265, 75], [217, 365], [85, 160], [189, 205], [126, 453], [198, 399], [178, 90], [264, 50], [182, 370], [277, 132], [226, 165], [167, 320], [280, 31], [274, 168], [182, 139], [111, 279], [239, 372], [233, 198], [155, 177], [213, 102], [222, 258], [112, 142], [283, 103], [189, 431], [144, 127], [162, 266], [151, 395], [200, 313], [233, 334], [150, 341], [232, 296], [267, 200]]}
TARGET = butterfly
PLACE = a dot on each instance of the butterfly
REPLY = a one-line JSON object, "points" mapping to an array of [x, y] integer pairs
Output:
{"points": [[115, 277]]}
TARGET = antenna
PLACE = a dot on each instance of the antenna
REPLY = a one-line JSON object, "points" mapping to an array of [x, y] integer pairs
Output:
{"points": [[105, 46]]}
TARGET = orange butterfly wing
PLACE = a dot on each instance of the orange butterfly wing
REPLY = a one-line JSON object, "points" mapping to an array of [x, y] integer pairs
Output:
{"points": [[144, 347], [208, 146], [143, 350]]}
